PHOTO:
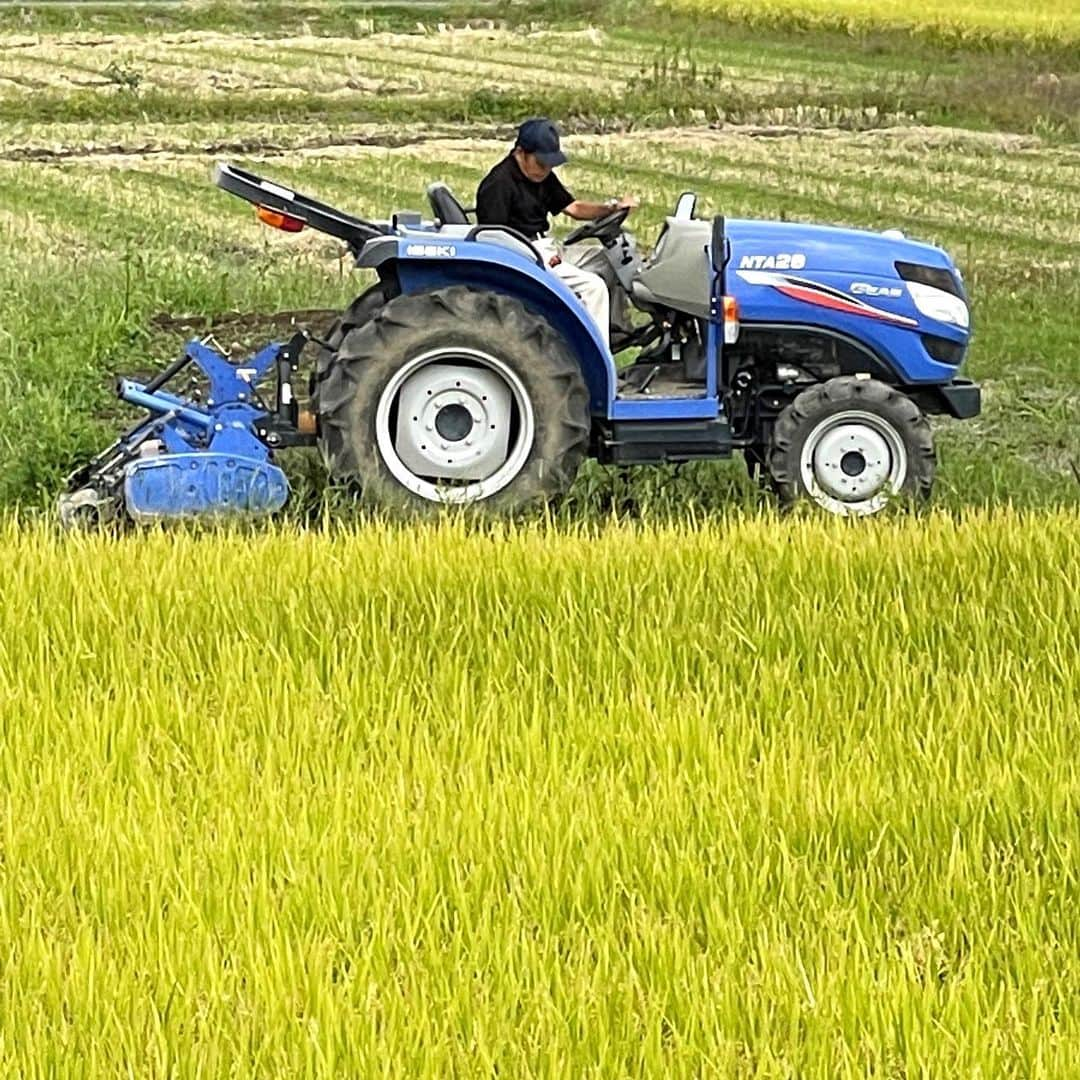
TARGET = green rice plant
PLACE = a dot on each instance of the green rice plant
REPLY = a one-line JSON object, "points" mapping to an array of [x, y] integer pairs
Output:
{"points": [[742, 796]]}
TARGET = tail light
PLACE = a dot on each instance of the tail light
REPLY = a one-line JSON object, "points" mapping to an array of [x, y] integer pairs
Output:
{"points": [[278, 220]]}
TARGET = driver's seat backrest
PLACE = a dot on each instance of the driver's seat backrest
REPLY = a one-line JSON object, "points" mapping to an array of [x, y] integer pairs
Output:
{"points": [[444, 206]]}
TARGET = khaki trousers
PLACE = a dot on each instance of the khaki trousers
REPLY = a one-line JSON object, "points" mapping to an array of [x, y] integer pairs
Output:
{"points": [[589, 288]]}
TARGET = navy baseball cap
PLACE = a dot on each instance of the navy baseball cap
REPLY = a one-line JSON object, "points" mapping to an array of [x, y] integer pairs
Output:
{"points": [[540, 136]]}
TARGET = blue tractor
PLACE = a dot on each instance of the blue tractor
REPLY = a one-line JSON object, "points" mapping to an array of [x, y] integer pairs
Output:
{"points": [[470, 374]]}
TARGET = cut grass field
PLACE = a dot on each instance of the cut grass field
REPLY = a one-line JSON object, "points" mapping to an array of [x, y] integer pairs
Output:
{"points": [[109, 123], [102, 242], [750, 798], [615, 77]]}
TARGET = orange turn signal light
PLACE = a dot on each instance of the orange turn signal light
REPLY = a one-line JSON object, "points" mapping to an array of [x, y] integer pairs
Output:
{"points": [[278, 220], [731, 320]]}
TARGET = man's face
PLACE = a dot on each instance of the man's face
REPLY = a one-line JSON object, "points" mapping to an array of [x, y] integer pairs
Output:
{"points": [[534, 169]]}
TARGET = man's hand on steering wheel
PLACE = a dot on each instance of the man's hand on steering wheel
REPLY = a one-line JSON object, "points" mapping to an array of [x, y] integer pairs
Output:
{"points": [[606, 227]]}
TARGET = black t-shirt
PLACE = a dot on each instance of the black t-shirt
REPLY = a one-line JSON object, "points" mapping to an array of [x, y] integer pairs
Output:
{"points": [[506, 196]]}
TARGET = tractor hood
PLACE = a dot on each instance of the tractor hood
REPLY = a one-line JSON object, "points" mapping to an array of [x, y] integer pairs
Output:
{"points": [[872, 287], [895, 299], [790, 246]]}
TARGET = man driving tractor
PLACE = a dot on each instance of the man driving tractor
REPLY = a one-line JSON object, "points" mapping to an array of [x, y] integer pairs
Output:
{"points": [[522, 190]]}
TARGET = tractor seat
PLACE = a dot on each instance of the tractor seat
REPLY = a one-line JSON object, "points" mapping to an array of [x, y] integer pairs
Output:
{"points": [[447, 210]]}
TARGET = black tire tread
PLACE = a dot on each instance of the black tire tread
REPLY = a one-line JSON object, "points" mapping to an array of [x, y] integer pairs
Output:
{"points": [[847, 391], [383, 337], [363, 308]]}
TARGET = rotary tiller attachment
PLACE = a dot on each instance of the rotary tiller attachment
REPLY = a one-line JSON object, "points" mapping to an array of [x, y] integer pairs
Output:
{"points": [[194, 458]]}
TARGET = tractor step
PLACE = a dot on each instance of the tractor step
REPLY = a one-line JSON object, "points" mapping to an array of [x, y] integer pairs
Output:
{"points": [[651, 442], [649, 382]]}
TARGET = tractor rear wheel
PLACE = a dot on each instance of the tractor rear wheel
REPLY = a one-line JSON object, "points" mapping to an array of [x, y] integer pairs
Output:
{"points": [[356, 314], [851, 446], [456, 396]]}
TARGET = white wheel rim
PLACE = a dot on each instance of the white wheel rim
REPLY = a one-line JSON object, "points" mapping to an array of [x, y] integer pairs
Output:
{"points": [[853, 462], [451, 401]]}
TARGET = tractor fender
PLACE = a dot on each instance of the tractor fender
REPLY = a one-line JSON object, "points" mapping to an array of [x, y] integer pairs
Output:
{"points": [[425, 261]]}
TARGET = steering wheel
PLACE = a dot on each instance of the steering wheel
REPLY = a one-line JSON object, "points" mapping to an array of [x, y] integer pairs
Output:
{"points": [[605, 228]]}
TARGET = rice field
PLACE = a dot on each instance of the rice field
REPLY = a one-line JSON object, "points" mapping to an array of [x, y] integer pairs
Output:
{"points": [[687, 789], [748, 798], [612, 75], [981, 23], [429, 61]]}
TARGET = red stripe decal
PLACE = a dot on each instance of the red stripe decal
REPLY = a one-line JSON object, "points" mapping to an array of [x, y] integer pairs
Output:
{"points": [[850, 307]]}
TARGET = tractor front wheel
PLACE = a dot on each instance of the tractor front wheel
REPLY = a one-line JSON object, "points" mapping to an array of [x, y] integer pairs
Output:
{"points": [[851, 446], [457, 396]]}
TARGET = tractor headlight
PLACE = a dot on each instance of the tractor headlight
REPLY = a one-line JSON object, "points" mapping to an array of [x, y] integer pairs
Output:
{"points": [[940, 305]]}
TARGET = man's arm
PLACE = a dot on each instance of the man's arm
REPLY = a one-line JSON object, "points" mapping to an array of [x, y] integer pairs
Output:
{"points": [[589, 211]]}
